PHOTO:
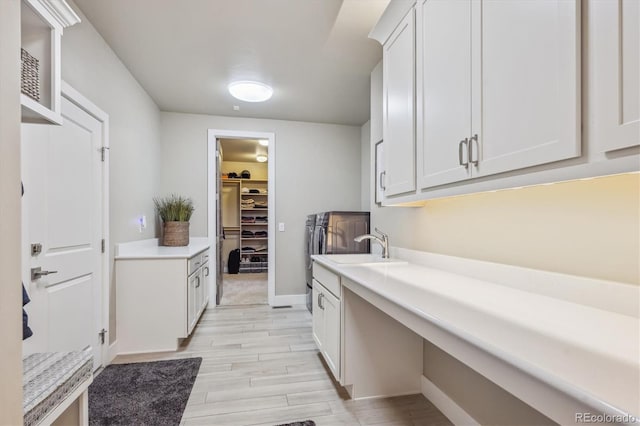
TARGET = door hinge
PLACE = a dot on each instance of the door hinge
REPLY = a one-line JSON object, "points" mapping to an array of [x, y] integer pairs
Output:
{"points": [[102, 152], [102, 333], [102, 245]]}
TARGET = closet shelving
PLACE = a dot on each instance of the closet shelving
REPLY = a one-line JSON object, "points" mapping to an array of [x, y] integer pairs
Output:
{"points": [[253, 225]]}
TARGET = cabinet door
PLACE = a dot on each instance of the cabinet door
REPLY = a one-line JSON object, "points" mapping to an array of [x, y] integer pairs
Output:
{"points": [[318, 315], [205, 285], [444, 91], [399, 111], [614, 97], [526, 61], [376, 104], [331, 342], [192, 301]]}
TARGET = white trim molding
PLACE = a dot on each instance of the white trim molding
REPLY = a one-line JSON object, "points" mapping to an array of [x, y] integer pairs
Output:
{"points": [[446, 405], [61, 11], [113, 352], [212, 135], [92, 109]]}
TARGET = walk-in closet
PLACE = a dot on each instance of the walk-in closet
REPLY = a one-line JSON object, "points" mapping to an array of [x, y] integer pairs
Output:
{"points": [[245, 220]]}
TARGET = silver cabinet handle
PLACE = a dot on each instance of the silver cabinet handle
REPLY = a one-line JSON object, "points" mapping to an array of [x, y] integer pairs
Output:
{"points": [[384, 173], [37, 273], [320, 304], [463, 142], [471, 160], [206, 271], [198, 282]]}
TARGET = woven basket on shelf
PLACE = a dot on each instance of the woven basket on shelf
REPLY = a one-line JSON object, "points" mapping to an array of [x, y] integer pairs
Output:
{"points": [[175, 234], [29, 82]]}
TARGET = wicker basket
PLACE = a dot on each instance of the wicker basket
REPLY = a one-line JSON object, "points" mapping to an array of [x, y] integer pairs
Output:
{"points": [[175, 234], [30, 83]]}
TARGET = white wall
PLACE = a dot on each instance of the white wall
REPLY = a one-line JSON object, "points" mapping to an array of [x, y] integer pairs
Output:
{"points": [[91, 67], [10, 238], [317, 168]]}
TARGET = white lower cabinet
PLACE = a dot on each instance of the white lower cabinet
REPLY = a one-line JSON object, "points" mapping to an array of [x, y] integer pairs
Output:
{"points": [[326, 321], [159, 301], [197, 295]]}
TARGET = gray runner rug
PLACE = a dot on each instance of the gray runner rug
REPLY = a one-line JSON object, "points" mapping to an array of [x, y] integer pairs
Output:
{"points": [[144, 393]]}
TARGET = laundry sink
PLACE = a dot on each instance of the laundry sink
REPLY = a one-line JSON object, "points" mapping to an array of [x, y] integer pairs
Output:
{"points": [[360, 259]]}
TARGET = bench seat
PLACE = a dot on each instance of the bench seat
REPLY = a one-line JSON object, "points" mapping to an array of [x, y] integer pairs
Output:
{"points": [[50, 379]]}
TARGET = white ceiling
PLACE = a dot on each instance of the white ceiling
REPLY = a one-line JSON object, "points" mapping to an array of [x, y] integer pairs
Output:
{"points": [[243, 150], [314, 53]]}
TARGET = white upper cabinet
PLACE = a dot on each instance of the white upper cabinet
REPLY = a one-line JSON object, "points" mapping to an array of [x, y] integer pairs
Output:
{"points": [[398, 59], [615, 73], [526, 65], [444, 91], [500, 87], [42, 23], [502, 94]]}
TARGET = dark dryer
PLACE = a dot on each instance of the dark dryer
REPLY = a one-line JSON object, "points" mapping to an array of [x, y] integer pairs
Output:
{"points": [[334, 233]]}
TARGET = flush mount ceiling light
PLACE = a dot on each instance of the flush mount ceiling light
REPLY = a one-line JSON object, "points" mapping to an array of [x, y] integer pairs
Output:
{"points": [[261, 158], [263, 142], [250, 91]]}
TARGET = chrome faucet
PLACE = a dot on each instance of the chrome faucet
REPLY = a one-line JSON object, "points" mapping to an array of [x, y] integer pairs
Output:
{"points": [[384, 241]]}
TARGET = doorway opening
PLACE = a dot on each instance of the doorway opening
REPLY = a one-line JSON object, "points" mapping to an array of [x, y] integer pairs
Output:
{"points": [[242, 216]]}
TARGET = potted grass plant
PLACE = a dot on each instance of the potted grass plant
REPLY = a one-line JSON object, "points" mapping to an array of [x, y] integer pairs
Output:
{"points": [[175, 212]]}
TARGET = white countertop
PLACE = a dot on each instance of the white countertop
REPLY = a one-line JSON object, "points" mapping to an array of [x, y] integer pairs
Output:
{"points": [[149, 249], [590, 353]]}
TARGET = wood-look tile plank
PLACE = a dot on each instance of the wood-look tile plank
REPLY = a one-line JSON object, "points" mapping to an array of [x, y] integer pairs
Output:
{"points": [[269, 415], [261, 391], [235, 406], [288, 378], [302, 398]]}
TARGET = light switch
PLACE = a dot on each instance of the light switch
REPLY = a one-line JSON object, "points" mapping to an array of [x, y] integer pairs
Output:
{"points": [[281, 226]]}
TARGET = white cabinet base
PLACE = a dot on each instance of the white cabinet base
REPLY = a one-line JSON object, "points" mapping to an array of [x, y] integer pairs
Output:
{"points": [[151, 304], [382, 358]]}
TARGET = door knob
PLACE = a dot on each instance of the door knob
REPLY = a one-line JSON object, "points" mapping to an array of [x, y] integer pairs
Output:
{"points": [[37, 273]]}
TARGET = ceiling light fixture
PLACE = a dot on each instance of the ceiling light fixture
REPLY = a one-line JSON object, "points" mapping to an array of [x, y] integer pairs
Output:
{"points": [[250, 91], [263, 142], [260, 158]]}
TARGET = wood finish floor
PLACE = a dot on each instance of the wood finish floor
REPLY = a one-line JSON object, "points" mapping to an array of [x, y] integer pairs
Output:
{"points": [[261, 367]]}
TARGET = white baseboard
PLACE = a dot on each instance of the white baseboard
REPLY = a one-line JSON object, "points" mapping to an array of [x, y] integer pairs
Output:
{"points": [[113, 352], [446, 405], [289, 299]]}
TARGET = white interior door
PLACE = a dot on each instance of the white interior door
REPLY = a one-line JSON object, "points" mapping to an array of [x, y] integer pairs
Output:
{"points": [[62, 175]]}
